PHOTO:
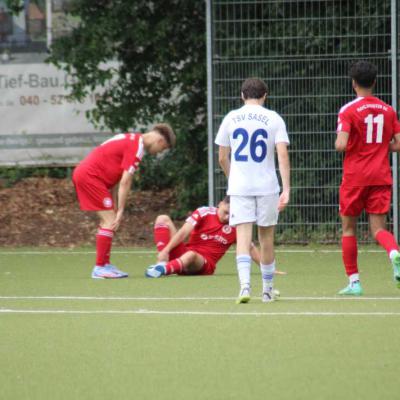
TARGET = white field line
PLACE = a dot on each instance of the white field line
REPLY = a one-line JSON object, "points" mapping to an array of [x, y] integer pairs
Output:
{"points": [[198, 313], [107, 298], [153, 252]]}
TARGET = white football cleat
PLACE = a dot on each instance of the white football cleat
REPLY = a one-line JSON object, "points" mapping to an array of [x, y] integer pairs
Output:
{"points": [[244, 295], [270, 295]]}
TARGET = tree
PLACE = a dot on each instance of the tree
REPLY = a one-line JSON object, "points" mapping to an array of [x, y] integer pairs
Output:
{"points": [[157, 72]]}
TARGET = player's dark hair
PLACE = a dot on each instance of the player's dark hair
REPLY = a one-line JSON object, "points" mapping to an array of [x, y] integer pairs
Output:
{"points": [[167, 133], [227, 200], [363, 73], [254, 88]]}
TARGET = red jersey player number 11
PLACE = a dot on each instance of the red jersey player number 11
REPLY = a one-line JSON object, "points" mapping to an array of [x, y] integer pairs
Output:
{"points": [[368, 129]]}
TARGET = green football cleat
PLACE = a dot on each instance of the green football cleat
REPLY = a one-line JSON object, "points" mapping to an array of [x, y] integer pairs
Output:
{"points": [[396, 269], [353, 289], [244, 295]]}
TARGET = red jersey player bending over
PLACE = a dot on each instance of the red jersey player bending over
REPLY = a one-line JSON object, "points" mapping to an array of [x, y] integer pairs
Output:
{"points": [[103, 181], [367, 130], [209, 235]]}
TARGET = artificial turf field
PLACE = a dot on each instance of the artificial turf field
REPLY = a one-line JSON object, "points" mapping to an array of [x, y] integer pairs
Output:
{"points": [[66, 336]]}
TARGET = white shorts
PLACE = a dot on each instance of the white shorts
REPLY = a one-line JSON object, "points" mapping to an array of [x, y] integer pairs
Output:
{"points": [[262, 210]]}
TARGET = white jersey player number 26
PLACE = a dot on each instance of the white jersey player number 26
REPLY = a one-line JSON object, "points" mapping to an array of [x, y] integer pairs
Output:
{"points": [[258, 146]]}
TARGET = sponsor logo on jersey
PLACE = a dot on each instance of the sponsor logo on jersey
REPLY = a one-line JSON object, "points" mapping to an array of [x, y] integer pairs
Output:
{"points": [[107, 202], [227, 229], [217, 238]]}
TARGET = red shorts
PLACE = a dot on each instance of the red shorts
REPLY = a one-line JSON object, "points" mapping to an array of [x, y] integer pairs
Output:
{"points": [[208, 266], [374, 199], [92, 193]]}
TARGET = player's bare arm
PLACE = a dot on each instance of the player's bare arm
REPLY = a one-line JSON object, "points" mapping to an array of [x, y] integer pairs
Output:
{"points": [[179, 237], [123, 192], [284, 170], [395, 145], [224, 159], [341, 141]]}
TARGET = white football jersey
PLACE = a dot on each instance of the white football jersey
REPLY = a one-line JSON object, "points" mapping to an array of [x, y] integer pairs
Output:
{"points": [[252, 132]]}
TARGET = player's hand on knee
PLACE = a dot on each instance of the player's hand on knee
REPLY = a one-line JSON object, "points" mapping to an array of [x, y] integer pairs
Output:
{"points": [[117, 222]]}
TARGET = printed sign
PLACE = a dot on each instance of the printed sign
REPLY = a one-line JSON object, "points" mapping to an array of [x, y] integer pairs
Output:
{"points": [[39, 124]]}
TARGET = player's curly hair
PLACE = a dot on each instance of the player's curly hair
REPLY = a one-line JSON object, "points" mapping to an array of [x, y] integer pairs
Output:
{"points": [[363, 73], [166, 131], [254, 88]]}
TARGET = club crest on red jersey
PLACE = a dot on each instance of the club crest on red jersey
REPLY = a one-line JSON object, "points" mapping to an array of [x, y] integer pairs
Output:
{"points": [[227, 229], [107, 202]]}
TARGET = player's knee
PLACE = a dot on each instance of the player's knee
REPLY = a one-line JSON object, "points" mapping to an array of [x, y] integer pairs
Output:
{"points": [[191, 256], [163, 219], [107, 220]]}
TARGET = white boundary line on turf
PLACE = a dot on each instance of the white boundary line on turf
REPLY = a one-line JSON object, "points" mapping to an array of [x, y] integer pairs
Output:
{"points": [[202, 313], [32, 253], [102, 298]]}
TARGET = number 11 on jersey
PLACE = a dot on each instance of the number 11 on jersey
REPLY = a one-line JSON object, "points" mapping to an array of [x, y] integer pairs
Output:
{"points": [[378, 120]]}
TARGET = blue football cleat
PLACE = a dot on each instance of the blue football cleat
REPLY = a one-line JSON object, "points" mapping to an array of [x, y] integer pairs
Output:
{"points": [[106, 273], [353, 289], [118, 271], [155, 271], [396, 269]]}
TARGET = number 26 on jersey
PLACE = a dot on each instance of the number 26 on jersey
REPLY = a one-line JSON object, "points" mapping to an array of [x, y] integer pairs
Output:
{"points": [[258, 147]]}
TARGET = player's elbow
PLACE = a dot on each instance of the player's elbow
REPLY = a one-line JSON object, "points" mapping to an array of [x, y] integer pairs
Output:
{"points": [[222, 159], [340, 146], [395, 147], [125, 184]]}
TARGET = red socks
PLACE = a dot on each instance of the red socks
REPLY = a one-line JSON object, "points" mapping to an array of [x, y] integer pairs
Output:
{"points": [[349, 249], [349, 254], [104, 239], [386, 240], [174, 267], [161, 236]]}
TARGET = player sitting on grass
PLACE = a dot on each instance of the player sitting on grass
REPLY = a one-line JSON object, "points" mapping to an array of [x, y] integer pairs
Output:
{"points": [[209, 235]]}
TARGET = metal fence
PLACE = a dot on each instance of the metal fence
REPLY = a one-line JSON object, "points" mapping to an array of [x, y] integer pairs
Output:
{"points": [[302, 49]]}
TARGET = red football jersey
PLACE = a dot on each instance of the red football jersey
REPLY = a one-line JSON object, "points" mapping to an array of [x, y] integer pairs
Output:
{"points": [[122, 152], [210, 237], [371, 124]]}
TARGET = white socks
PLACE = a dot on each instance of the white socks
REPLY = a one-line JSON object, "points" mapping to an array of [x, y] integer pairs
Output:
{"points": [[267, 274], [392, 254], [354, 278], [243, 263]]}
